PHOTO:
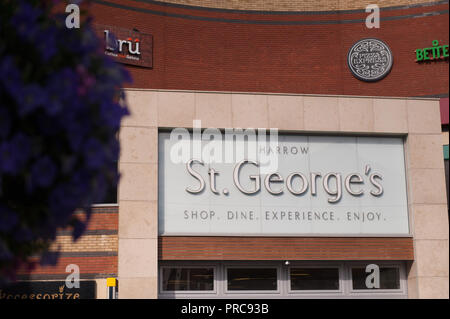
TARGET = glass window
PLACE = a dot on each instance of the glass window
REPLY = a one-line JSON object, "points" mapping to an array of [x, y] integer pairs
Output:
{"points": [[110, 195], [252, 278], [389, 278], [190, 279], [314, 278]]}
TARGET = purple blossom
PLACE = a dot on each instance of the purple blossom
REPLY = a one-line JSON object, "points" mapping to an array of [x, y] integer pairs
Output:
{"points": [[11, 77], [8, 219], [43, 172], [23, 234], [78, 229], [45, 40], [49, 258], [62, 204], [61, 92], [5, 123], [112, 113], [31, 97], [112, 151], [58, 126], [25, 19], [14, 154], [5, 253], [94, 153]]}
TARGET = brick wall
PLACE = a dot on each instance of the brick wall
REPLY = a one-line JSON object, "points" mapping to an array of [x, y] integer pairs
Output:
{"points": [[291, 5], [284, 248], [95, 252], [211, 50]]}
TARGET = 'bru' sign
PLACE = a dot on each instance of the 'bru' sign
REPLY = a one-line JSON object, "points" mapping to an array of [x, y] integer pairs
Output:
{"points": [[127, 46]]}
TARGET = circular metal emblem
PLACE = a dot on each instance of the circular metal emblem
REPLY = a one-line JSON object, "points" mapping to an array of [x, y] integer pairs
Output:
{"points": [[370, 59]]}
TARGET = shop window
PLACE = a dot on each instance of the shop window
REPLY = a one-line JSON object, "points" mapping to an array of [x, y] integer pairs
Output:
{"points": [[187, 279], [239, 279], [111, 195], [314, 278], [389, 278]]}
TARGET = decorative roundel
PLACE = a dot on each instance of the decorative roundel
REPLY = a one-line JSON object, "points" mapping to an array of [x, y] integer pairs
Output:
{"points": [[370, 60]]}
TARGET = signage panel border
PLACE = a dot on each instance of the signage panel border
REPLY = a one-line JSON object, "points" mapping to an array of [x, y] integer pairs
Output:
{"points": [[162, 131]]}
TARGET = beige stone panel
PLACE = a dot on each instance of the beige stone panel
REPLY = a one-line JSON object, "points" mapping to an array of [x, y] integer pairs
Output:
{"points": [[249, 111], [176, 109], [355, 114], [138, 288], [433, 287], [138, 182], [138, 219], [430, 221], [138, 258], [143, 108], [427, 186], [138, 145], [444, 138], [412, 282], [423, 116], [213, 109], [321, 113], [285, 112], [390, 116], [425, 151], [102, 289], [413, 288], [432, 257]]}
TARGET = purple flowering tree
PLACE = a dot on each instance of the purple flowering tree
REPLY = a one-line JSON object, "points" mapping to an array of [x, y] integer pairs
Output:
{"points": [[60, 113]]}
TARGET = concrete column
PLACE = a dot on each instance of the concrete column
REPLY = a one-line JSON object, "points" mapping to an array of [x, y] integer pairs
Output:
{"points": [[138, 195], [428, 275]]}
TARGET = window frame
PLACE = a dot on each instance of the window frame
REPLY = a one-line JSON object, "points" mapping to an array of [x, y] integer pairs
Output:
{"points": [[177, 293], [341, 279], [227, 266], [362, 292], [283, 280]]}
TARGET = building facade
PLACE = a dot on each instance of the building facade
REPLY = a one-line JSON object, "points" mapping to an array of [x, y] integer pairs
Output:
{"points": [[359, 178]]}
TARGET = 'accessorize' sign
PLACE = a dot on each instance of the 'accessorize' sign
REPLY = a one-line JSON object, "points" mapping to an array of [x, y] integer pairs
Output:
{"points": [[319, 185], [48, 290]]}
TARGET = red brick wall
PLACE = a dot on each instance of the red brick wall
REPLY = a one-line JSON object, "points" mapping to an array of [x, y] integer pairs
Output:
{"points": [[102, 218], [95, 252], [90, 267], [284, 248], [238, 54]]}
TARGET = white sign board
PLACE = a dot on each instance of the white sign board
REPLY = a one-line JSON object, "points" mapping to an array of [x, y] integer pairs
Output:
{"points": [[320, 185]]}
